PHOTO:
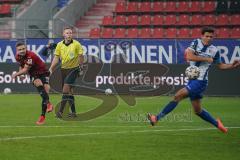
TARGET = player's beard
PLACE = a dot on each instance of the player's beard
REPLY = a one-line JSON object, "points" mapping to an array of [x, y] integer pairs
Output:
{"points": [[22, 53]]}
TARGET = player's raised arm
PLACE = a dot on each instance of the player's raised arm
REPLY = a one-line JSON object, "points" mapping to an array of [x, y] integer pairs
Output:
{"points": [[191, 56]]}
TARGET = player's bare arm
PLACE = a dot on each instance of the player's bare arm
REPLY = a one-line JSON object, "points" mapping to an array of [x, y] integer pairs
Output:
{"points": [[54, 64], [81, 59], [22, 76], [229, 66], [22, 71], [192, 57]]}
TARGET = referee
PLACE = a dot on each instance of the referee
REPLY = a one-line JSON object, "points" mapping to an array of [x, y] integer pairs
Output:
{"points": [[70, 52]]}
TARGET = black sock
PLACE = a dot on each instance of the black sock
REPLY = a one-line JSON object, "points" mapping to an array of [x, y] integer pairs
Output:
{"points": [[44, 108], [45, 99], [65, 98], [72, 103]]}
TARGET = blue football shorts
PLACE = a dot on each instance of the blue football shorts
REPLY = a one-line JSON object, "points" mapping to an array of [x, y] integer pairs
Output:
{"points": [[196, 88]]}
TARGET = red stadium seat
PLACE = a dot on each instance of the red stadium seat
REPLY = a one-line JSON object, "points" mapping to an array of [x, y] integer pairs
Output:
{"points": [[171, 33], [132, 20], [196, 33], [145, 7], [145, 20], [235, 19], [209, 6], [120, 20], [11, 1], [235, 33], [222, 33], [132, 7], [209, 19], [145, 33], [196, 19], [5, 34], [107, 33], [107, 20], [158, 33], [5, 9], [132, 33], [95, 33], [183, 6], [120, 33], [222, 19], [158, 7], [170, 6], [170, 20], [157, 20], [183, 19], [120, 7], [184, 33], [195, 6]]}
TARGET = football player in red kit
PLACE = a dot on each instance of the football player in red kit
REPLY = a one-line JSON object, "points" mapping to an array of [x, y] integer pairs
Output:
{"points": [[30, 63]]}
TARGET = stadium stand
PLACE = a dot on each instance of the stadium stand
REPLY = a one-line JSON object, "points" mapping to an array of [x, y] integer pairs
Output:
{"points": [[5, 10], [196, 32], [234, 6], [6, 7], [235, 19], [132, 33], [145, 33], [120, 33], [196, 6], [222, 19], [235, 33], [107, 33], [222, 6], [172, 19], [184, 33], [158, 33], [196, 20], [158, 18], [222, 33], [95, 33]]}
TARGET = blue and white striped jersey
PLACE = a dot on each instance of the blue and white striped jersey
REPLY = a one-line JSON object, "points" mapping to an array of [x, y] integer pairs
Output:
{"points": [[204, 51]]}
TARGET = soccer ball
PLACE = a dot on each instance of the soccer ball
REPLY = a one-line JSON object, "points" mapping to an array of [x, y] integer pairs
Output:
{"points": [[192, 72], [108, 91], [7, 91]]}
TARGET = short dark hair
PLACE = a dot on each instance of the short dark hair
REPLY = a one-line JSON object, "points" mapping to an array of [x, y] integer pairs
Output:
{"points": [[20, 43], [207, 29], [65, 28]]}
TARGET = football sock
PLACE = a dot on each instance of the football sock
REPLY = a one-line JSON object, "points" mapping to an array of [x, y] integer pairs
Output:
{"points": [[65, 98], [167, 109], [44, 108], [43, 94], [207, 117], [45, 99], [72, 103]]}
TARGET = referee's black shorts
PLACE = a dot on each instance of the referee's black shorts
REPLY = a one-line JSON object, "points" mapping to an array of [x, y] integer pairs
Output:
{"points": [[69, 76]]}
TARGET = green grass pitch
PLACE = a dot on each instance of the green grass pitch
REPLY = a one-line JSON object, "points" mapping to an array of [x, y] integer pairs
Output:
{"points": [[122, 134]]}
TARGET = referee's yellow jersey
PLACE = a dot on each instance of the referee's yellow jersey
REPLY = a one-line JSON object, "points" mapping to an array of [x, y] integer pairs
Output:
{"points": [[69, 54]]}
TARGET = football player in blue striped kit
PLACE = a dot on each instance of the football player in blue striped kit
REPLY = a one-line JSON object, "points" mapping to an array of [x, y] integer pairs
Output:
{"points": [[203, 54]]}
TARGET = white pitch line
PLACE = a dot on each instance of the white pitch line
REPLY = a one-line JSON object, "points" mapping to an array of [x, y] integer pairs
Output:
{"points": [[105, 133], [115, 126]]}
